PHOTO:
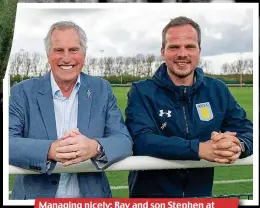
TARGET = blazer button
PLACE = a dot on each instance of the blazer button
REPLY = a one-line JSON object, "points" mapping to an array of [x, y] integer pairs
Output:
{"points": [[54, 182]]}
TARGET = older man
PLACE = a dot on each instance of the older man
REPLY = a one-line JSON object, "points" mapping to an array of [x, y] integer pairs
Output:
{"points": [[76, 108]]}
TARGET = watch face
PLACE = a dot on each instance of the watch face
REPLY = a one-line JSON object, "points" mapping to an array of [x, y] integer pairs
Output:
{"points": [[242, 146], [100, 148]]}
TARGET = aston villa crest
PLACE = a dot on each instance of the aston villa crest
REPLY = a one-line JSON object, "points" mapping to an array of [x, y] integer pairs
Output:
{"points": [[204, 111]]}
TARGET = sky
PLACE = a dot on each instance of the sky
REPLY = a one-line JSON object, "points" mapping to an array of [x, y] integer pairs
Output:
{"points": [[129, 29]]}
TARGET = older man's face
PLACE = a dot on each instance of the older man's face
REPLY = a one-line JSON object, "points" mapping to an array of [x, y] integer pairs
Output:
{"points": [[66, 57]]}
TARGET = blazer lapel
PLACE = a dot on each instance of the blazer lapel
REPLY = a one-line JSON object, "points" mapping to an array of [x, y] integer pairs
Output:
{"points": [[85, 98], [45, 102]]}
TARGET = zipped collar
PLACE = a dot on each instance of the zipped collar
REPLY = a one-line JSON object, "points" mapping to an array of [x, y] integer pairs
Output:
{"points": [[161, 78]]}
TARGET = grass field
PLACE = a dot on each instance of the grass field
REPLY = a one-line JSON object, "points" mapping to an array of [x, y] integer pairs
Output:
{"points": [[244, 97]]}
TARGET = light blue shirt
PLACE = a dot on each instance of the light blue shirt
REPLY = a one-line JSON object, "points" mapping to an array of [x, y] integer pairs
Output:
{"points": [[66, 115]]}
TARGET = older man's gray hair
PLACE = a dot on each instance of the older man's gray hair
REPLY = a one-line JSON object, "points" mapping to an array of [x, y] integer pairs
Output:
{"points": [[66, 25]]}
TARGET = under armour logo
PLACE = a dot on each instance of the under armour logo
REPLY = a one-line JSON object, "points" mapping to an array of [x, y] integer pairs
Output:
{"points": [[166, 113], [163, 125], [89, 93]]}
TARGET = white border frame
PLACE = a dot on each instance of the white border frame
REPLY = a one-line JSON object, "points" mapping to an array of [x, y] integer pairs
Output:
{"points": [[253, 6]]}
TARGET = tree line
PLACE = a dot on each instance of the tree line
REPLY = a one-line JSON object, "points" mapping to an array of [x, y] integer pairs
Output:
{"points": [[240, 66], [35, 64]]}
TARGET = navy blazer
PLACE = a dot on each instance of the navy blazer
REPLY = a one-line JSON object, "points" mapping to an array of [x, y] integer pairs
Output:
{"points": [[32, 129]]}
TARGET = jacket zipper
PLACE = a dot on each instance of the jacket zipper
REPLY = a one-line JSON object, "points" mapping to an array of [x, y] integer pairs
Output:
{"points": [[185, 117], [186, 125]]}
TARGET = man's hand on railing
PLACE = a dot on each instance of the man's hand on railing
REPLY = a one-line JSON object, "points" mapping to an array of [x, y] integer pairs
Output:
{"points": [[222, 148]]}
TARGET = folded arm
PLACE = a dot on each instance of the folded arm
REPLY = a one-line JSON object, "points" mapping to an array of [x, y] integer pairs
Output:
{"points": [[24, 152], [236, 121], [116, 141]]}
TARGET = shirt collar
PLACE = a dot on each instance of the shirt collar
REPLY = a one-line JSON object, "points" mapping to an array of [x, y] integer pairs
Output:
{"points": [[55, 88]]}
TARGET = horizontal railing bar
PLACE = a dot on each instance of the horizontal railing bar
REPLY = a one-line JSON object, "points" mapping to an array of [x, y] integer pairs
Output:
{"points": [[135, 163]]}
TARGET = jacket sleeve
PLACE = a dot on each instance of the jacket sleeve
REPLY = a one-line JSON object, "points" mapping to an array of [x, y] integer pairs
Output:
{"points": [[116, 141], [26, 153], [147, 140], [235, 120]]}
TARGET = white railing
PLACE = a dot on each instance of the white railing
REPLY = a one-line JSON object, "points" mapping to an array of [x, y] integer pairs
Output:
{"points": [[135, 163], [229, 85]]}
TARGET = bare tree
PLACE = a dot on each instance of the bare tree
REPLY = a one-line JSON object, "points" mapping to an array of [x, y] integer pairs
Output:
{"points": [[249, 69], [36, 63], [205, 65], [17, 62], [27, 63], [140, 61], [92, 65], [149, 61], [45, 68], [101, 67], [119, 65], [238, 67], [86, 67], [158, 62], [133, 70], [127, 63], [109, 64], [13, 65], [225, 68]]}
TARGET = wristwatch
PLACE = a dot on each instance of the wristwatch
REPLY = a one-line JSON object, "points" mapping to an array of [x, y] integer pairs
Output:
{"points": [[242, 146], [100, 151]]}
